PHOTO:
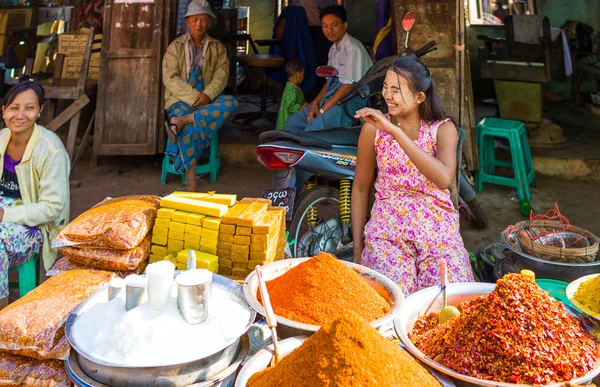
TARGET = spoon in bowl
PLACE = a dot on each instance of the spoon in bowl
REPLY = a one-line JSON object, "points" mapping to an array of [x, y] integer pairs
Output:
{"points": [[269, 314]]}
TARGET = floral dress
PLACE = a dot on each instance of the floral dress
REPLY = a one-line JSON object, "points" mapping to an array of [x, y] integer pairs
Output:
{"points": [[413, 223]]}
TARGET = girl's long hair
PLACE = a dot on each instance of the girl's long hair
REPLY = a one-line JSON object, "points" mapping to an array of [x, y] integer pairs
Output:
{"points": [[420, 80]]}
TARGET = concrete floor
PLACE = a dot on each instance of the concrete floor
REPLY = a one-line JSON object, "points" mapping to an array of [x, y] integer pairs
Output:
{"points": [[141, 175]]}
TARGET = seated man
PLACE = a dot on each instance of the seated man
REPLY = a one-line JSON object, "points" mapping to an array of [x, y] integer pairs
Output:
{"points": [[351, 59], [195, 73]]}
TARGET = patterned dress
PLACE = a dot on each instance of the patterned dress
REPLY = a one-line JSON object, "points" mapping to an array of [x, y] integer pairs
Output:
{"points": [[291, 100], [192, 140], [413, 222]]}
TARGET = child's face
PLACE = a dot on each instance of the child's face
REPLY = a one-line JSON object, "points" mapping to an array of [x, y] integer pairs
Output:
{"points": [[399, 97], [299, 77]]}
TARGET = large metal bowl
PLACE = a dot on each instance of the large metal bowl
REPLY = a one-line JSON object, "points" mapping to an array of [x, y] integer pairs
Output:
{"points": [[163, 375], [262, 359], [289, 328], [417, 303], [545, 268]]}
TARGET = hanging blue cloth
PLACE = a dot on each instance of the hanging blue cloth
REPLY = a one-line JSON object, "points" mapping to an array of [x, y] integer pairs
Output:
{"points": [[297, 44]]}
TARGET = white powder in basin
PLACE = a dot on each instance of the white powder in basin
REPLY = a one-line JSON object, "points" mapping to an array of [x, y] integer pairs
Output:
{"points": [[194, 277], [141, 338]]}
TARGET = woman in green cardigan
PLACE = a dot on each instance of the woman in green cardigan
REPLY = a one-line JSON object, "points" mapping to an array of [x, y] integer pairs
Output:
{"points": [[34, 186]]}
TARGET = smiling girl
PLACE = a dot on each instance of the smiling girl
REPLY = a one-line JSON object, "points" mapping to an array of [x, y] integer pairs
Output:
{"points": [[34, 187], [413, 222]]}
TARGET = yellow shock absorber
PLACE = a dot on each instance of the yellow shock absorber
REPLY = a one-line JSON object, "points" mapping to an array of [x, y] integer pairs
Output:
{"points": [[345, 192], [312, 212]]}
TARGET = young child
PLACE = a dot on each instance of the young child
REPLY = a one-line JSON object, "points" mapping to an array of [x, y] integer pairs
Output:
{"points": [[293, 98]]}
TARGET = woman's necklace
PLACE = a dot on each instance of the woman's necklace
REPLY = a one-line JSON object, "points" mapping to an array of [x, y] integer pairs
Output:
{"points": [[411, 131]]}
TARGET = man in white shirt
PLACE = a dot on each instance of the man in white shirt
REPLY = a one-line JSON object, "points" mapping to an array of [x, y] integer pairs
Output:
{"points": [[351, 59]]}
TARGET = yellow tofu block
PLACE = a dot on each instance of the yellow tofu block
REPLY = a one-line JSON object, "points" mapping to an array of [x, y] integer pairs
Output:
{"points": [[180, 216], [252, 264], [210, 234], [251, 214], [203, 260], [227, 229], [209, 197], [252, 200], [195, 219], [225, 254], [245, 231], [225, 262], [246, 200], [214, 268], [240, 250], [156, 258], [258, 256], [226, 238], [159, 250], [234, 212], [182, 266], [174, 246], [261, 246], [224, 270], [267, 223], [165, 213], [191, 245], [211, 223], [239, 265], [157, 230], [260, 238], [159, 240], [195, 206], [192, 238], [239, 258], [209, 242], [178, 236], [224, 246], [239, 272], [241, 240], [177, 226], [171, 258], [161, 222], [191, 229], [208, 250]]}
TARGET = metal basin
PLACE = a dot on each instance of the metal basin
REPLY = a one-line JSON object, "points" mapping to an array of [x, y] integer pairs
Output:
{"points": [[417, 303], [171, 375], [289, 328], [262, 359], [544, 268]]}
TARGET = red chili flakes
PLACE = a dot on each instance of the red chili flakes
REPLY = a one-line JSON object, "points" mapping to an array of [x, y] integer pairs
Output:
{"points": [[515, 334]]}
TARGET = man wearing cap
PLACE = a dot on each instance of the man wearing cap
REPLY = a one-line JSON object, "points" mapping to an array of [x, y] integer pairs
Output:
{"points": [[195, 73], [351, 59]]}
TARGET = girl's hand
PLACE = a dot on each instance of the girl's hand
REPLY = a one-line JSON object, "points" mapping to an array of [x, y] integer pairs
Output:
{"points": [[377, 119], [303, 106]]}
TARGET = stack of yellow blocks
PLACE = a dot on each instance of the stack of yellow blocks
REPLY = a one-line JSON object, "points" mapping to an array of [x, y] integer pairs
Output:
{"points": [[187, 222], [251, 234]]}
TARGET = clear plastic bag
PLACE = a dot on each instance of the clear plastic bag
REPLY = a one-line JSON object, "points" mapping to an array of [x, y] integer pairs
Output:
{"points": [[120, 223], [26, 372], [34, 326], [109, 259], [65, 264]]}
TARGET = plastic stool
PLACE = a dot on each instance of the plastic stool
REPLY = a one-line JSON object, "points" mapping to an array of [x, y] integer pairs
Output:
{"points": [[28, 276], [213, 166], [516, 134]]}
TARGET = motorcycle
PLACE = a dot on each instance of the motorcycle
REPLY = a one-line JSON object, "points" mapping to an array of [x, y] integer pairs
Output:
{"points": [[324, 162]]}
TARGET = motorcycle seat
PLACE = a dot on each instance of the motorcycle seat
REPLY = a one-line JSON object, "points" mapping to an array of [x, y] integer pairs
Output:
{"points": [[337, 135], [300, 138]]}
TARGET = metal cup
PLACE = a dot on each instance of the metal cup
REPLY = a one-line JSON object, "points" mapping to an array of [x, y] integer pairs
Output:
{"points": [[116, 287], [134, 293], [192, 301]]}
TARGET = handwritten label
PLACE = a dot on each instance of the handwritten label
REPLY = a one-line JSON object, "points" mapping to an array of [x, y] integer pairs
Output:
{"points": [[284, 197]]}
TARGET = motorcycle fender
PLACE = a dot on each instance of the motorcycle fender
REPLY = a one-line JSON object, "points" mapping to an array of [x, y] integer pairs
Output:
{"points": [[291, 178]]}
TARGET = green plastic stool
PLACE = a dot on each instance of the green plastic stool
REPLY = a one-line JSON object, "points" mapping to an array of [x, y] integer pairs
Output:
{"points": [[515, 132], [213, 166], [28, 276]]}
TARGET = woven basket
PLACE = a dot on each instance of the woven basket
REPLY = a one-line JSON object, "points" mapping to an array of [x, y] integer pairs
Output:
{"points": [[528, 229]]}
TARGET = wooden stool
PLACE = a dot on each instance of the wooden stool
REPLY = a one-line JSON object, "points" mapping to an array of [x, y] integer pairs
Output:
{"points": [[263, 62]]}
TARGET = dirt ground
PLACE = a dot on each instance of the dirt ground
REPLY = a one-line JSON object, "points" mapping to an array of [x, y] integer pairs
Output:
{"points": [[117, 176]]}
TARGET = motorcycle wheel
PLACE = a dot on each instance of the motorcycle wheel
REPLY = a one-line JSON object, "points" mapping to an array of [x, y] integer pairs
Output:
{"points": [[325, 235], [474, 212]]}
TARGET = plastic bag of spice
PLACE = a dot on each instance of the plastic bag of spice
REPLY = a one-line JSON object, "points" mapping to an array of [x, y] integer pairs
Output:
{"points": [[34, 326], [26, 372], [119, 223], [65, 264], [109, 259]]}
